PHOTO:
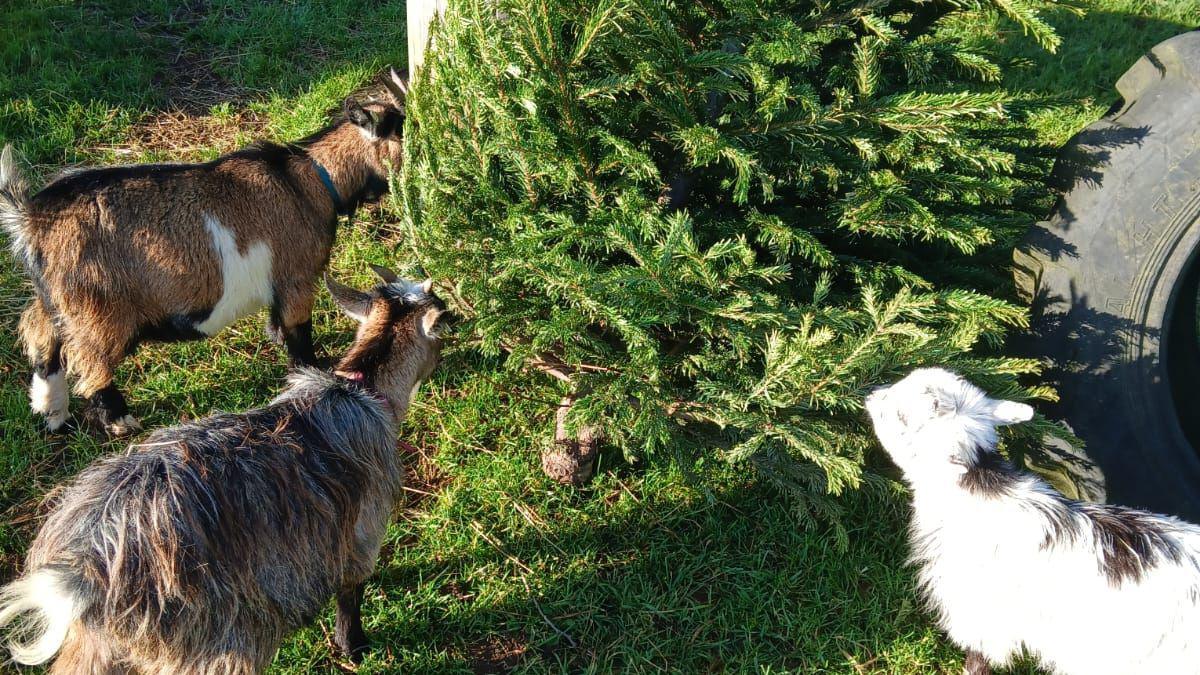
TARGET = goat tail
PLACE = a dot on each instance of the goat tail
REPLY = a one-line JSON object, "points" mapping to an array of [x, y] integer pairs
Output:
{"points": [[42, 608], [14, 201]]}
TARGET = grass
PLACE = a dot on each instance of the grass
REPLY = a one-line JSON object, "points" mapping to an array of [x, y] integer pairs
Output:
{"points": [[491, 567]]}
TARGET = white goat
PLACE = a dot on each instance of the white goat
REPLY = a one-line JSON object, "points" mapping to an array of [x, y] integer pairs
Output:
{"points": [[1008, 564]]}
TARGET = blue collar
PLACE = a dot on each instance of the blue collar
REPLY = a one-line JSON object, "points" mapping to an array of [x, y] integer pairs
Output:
{"points": [[323, 174]]}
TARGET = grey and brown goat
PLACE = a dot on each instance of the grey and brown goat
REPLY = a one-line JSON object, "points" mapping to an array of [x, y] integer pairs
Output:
{"points": [[164, 252], [198, 550]]}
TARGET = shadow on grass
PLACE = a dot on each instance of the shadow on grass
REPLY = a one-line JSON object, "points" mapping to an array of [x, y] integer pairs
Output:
{"points": [[493, 568], [1097, 48], [76, 78], [661, 580]]}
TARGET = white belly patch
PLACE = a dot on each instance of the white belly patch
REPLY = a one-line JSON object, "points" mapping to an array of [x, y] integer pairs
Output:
{"points": [[245, 279]]}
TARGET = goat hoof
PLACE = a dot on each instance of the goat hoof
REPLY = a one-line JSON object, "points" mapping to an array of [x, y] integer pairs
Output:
{"points": [[56, 422], [123, 427], [353, 646], [355, 654], [60, 427]]}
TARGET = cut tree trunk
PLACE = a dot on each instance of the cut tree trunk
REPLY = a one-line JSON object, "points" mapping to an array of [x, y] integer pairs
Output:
{"points": [[572, 457]]}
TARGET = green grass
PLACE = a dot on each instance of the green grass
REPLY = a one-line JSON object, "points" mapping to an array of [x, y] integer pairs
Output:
{"points": [[649, 568]]}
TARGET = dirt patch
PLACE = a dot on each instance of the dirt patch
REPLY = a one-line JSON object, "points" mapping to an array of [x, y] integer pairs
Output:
{"points": [[186, 127], [189, 82], [496, 654], [186, 136], [199, 109]]}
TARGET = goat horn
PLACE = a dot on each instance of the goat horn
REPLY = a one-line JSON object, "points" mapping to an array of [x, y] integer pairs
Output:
{"points": [[384, 273], [395, 86], [355, 303]]}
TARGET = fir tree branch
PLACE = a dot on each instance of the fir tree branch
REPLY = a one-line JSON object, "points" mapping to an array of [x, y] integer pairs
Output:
{"points": [[673, 210]]}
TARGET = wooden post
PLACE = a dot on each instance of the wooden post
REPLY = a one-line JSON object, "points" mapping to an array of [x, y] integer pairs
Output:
{"points": [[420, 15]]}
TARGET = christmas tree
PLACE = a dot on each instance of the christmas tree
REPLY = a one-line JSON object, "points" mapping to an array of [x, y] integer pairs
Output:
{"points": [[715, 225]]}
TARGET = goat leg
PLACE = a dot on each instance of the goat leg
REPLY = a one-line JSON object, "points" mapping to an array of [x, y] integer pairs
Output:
{"points": [[109, 411], [291, 323], [299, 343], [48, 387], [348, 633]]}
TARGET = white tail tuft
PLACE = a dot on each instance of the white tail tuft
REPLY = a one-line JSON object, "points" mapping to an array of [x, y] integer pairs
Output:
{"points": [[42, 612], [13, 201], [8, 165]]}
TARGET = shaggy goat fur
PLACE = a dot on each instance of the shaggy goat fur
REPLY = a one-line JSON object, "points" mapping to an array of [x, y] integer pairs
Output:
{"points": [[1008, 564], [162, 252], [198, 550]]}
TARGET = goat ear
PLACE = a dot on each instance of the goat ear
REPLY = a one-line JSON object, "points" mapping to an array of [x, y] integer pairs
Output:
{"points": [[426, 286], [397, 88], [354, 303], [429, 322], [360, 116], [384, 273], [1011, 412]]}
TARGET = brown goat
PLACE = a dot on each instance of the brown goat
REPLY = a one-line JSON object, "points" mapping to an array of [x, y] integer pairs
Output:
{"points": [[164, 252], [197, 551]]}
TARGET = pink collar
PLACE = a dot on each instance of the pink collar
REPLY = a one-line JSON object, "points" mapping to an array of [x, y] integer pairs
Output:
{"points": [[359, 380], [352, 375]]}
